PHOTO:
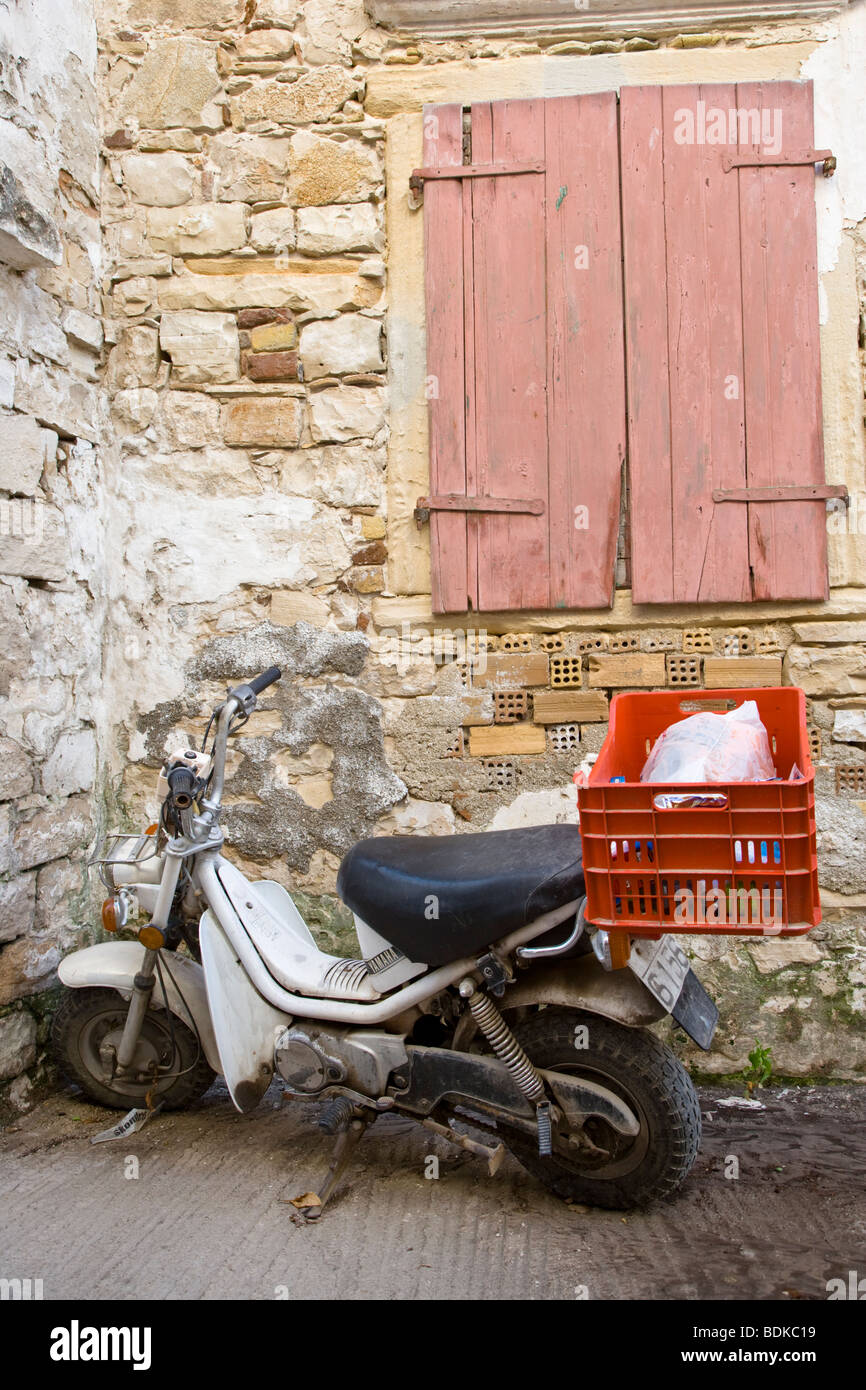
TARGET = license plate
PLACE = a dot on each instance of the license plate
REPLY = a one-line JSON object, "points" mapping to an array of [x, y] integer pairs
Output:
{"points": [[662, 966]]}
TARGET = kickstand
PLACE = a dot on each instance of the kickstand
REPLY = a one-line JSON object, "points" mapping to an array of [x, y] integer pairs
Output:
{"points": [[347, 1141]]}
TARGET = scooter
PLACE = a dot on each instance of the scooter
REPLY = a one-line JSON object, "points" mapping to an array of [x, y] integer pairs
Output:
{"points": [[481, 999]]}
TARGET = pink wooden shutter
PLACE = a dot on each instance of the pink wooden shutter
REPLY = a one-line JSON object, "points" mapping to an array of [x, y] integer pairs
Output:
{"points": [[723, 370], [525, 353]]}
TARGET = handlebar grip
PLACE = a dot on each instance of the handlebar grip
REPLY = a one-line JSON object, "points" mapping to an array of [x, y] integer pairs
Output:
{"points": [[269, 677], [182, 781]]}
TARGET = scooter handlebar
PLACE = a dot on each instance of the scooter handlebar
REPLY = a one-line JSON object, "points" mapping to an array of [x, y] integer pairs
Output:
{"points": [[269, 677]]}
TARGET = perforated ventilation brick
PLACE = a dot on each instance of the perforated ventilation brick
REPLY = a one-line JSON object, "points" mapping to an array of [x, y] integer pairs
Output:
{"points": [[625, 642], [509, 706], [740, 642], [815, 744], [563, 737], [456, 745], [515, 642], [501, 774], [565, 672], [851, 778], [594, 643], [552, 642], [698, 639], [683, 670]]}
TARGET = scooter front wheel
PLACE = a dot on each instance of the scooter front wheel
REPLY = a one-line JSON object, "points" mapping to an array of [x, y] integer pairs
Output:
{"points": [[618, 1171], [169, 1063]]}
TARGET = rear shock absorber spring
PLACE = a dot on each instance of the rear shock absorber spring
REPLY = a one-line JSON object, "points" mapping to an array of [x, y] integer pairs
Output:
{"points": [[506, 1046]]}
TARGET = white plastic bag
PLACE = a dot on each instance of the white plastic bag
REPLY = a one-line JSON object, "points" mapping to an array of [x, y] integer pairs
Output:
{"points": [[731, 747]]}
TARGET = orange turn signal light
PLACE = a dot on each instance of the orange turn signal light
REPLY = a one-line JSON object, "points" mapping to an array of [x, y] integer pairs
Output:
{"points": [[151, 937], [152, 829], [109, 915]]}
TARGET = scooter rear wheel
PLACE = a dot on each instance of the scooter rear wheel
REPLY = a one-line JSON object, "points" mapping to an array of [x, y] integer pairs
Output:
{"points": [[88, 1019], [648, 1077]]}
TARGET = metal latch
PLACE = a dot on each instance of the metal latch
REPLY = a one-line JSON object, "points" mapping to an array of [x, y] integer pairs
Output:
{"points": [[825, 158], [457, 502]]}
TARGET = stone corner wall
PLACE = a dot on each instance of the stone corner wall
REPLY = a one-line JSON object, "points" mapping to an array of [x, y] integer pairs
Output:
{"points": [[52, 611]]}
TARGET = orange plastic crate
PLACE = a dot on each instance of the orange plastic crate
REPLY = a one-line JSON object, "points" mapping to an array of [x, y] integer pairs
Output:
{"points": [[747, 867]]}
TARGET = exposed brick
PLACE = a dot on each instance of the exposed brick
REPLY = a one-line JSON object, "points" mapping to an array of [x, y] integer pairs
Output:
{"points": [[509, 706], [507, 670], [506, 738], [375, 554], [569, 706], [739, 672], [251, 318], [273, 337], [270, 366], [630, 669]]}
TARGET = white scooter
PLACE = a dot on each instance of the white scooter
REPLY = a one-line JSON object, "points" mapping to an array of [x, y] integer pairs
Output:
{"points": [[481, 998]]}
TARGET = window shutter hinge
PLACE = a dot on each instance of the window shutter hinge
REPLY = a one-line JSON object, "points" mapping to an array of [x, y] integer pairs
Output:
{"points": [[457, 502], [825, 158]]}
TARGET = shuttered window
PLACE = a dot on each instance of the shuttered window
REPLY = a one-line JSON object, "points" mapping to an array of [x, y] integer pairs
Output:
{"points": [[659, 251], [524, 353], [724, 378]]}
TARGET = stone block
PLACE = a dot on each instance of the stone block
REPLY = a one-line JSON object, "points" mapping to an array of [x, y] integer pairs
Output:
{"points": [[25, 448], [289, 607], [249, 168], [203, 347], [33, 540], [16, 771], [159, 180], [51, 832], [176, 85], [270, 422], [341, 476], [330, 171], [28, 237], [314, 97], [190, 419], [27, 966], [347, 412], [134, 360], [201, 229], [17, 906], [344, 227], [17, 1044], [273, 230], [348, 343], [71, 766]]}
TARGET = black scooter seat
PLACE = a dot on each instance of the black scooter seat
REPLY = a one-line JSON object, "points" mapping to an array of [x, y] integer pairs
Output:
{"points": [[438, 898]]}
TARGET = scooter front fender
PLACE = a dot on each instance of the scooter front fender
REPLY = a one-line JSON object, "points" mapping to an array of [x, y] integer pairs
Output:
{"points": [[114, 964]]}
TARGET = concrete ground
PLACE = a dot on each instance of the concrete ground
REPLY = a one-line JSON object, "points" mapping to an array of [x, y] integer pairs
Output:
{"points": [[208, 1215]]}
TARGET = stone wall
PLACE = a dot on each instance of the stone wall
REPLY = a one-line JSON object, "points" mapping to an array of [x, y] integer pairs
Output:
{"points": [[52, 608], [262, 306]]}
